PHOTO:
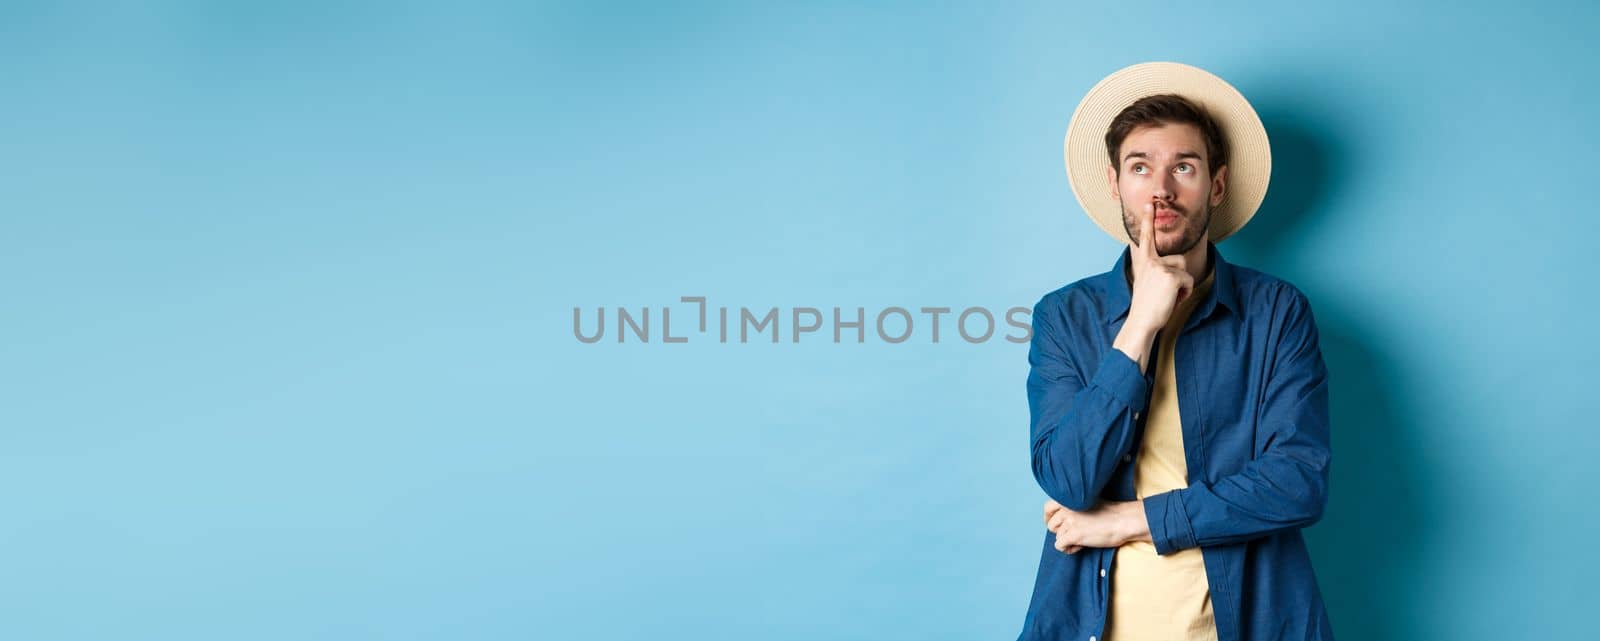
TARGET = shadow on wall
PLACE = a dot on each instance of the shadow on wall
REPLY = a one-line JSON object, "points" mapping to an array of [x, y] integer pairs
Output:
{"points": [[1372, 539]]}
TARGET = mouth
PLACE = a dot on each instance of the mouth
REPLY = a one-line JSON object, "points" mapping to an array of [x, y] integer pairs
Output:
{"points": [[1165, 217]]}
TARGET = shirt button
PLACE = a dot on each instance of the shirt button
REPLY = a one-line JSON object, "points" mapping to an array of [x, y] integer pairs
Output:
{"points": [[1127, 457], [1102, 572], [1091, 638]]}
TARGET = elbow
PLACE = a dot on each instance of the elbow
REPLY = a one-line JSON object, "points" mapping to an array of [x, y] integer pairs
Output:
{"points": [[1075, 502], [1316, 501], [1062, 486], [1314, 510]]}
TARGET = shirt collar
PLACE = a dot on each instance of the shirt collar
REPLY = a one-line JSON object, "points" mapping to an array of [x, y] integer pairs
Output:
{"points": [[1119, 297]]}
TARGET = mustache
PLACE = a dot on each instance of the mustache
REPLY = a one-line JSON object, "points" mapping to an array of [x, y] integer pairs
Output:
{"points": [[1133, 215]]}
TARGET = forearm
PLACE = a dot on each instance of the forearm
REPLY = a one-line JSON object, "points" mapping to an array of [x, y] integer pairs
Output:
{"points": [[1134, 525], [1110, 524], [1135, 342], [1082, 448], [1078, 442], [1082, 417], [1270, 495]]}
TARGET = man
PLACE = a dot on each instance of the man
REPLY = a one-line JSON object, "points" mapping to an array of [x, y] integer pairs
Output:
{"points": [[1179, 403]]}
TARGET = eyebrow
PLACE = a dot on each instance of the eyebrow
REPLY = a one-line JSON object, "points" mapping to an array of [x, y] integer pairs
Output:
{"points": [[1181, 155]]}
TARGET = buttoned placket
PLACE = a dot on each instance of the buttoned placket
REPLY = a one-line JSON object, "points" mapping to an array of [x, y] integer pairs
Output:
{"points": [[1108, 556]]}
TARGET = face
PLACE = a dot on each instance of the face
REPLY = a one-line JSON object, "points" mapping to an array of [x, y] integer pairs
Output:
{"points": [[1166, 166]]}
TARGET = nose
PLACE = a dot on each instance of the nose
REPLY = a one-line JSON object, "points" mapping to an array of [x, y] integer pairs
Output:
{"points": [[1163, 191]]}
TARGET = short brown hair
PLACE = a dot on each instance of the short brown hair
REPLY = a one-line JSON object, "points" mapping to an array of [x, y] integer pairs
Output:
{"points": [[1166, 109]]}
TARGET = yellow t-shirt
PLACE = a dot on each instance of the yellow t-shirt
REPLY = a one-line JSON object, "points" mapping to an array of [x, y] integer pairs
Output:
{"points": [[1153, 597]]}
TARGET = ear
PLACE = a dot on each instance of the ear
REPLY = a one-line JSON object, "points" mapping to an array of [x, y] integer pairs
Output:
{"points": [[1111, 179], [1219, 185]]}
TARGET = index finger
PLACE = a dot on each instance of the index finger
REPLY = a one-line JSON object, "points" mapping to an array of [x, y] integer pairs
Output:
{"points": [[1147, 223]]}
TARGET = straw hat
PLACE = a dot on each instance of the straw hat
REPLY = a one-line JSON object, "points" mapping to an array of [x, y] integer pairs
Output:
{"points": [[1250, 154]]}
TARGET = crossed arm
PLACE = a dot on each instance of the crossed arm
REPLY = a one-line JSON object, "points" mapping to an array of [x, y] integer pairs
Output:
{"points": [[1080, 430]]}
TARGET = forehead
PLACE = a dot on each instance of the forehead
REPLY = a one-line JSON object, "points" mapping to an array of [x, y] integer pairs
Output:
{"points": [[1164, 141]]}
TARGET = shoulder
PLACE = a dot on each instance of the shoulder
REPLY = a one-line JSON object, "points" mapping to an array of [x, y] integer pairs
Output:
{"points": [[1084, 298], [1259, 291], [1274, 302]]}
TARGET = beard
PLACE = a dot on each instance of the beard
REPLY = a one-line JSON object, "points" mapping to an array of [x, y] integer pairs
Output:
{"points": [[1191, 231]]}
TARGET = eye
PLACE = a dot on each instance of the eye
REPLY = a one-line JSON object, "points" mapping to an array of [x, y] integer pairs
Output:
{"points": [[1186, 168], [1138, 169]]}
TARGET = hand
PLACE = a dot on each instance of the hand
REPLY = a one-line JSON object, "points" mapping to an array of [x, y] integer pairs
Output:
{"points": [[1108, 525], [1051, 508], [1159, 282]]}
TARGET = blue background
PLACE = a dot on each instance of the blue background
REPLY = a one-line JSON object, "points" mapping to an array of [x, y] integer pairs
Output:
{"points": [[288, 347]]}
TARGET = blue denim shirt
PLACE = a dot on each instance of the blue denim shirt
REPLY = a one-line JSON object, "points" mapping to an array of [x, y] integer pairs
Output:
{"points": [[1253, 397]]}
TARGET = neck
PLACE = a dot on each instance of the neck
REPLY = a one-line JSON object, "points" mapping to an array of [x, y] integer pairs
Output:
{"points": [[1196, 259]]}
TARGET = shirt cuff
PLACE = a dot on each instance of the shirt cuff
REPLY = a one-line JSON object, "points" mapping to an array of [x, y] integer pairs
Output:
{"points": [[1170, 530], [1120, 375]]}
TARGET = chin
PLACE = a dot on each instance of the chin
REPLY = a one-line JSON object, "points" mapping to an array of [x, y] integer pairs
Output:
{"points": [[1177, 247]]}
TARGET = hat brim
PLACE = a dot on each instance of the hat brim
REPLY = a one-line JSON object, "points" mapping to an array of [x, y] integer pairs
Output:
{"points": [[1250, 153]]}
